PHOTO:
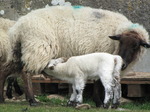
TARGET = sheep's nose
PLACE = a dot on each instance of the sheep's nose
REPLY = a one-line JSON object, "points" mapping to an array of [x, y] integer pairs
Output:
{"points": [[124, 66]]}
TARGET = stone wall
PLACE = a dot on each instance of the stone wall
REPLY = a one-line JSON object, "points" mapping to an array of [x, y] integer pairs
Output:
{"points": [[136, 10]]}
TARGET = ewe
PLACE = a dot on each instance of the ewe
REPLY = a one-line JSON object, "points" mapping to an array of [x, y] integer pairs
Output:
{"points": [[65, 31]]}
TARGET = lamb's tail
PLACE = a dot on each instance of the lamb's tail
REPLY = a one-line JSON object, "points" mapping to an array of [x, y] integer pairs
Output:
{"points": [[117, 68]]}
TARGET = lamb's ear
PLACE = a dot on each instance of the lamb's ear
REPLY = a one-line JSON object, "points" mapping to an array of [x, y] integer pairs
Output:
{"points": [[64, 59], [116, 37], [51, 68], [144, 44]]}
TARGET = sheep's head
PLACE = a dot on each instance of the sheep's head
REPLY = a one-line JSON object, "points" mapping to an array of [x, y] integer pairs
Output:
{"points": [[129, 46], [54, 62]]}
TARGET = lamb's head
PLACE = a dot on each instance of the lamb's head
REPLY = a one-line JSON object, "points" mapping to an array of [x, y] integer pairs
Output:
{"points": [[54, 62], [129, 46]]}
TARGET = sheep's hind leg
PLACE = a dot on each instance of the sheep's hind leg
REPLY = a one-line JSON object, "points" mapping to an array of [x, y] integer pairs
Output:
{"points": [[28, 88], [10, 81]]}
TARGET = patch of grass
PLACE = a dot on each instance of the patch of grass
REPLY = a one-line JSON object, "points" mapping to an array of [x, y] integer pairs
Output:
{"points": [[43, 98], [140, 104], [144, 105], [48, 107], [56, 105], [136, 106], [53, 101], [17, 107], [89, 101]]}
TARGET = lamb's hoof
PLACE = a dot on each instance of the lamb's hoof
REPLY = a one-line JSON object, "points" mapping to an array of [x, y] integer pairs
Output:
{"points": [[70, 103], [115, 106], [73, 103], [83, 106]]}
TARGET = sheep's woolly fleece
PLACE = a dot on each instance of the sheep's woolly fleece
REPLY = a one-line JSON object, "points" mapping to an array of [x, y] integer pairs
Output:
{"points": [[5, 47], [67, 31]]}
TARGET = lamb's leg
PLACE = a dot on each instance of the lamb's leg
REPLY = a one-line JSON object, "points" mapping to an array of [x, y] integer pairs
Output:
{"points": [[79, 87], [71, 101], [117, 94], [28, 88], [107, 83]]}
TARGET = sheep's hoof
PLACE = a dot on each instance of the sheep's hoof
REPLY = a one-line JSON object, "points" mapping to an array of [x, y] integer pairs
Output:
{"points": [[99, 105], [115, 106], [1, 100], [33, 102]]}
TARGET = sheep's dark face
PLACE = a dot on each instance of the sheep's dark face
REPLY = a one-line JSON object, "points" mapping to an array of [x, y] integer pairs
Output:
{"points": [[129, 46]]}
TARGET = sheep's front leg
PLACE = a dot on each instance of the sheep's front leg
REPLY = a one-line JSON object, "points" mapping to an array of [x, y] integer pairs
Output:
{"points": [[4, 73], [98, 93], [28, 88], [2, 81], [117, 94]]}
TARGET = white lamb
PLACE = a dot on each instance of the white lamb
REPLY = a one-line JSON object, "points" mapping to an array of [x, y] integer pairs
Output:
{"points": [[78, 69]]}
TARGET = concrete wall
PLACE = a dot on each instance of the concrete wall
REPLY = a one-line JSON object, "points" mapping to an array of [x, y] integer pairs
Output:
{"points": [[135, 10]]}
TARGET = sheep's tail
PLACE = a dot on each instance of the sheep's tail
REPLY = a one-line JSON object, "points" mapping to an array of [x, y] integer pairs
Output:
{"points": [[117, 68]]}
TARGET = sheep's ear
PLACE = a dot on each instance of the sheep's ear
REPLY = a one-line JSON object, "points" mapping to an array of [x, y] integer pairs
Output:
{"points": [[144, 44], [116, 37]]}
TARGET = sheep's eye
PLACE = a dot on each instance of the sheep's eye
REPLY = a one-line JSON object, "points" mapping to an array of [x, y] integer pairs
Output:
{"points": [[136, 46]]}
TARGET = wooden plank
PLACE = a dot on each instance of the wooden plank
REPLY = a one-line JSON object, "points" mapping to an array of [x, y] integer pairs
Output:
{"points": [[134, 82], [136, 78], [131, 78], [47, 81], [41, 79]]}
